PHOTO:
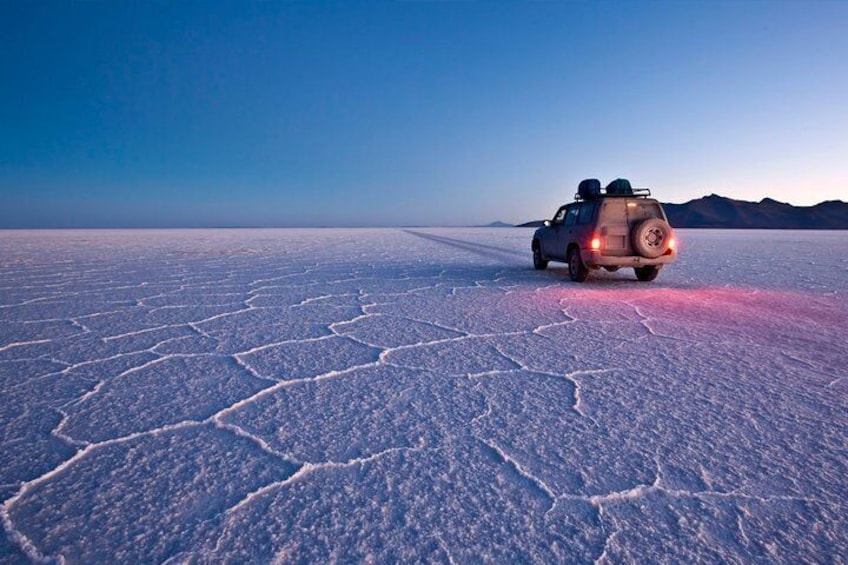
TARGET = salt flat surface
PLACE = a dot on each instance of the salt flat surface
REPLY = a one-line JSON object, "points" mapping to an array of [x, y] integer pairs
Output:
{"points": [[423, 394]]}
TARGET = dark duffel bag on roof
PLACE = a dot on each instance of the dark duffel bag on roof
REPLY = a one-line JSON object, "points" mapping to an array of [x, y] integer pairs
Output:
{"points": [[619, 187], [589, 188]]}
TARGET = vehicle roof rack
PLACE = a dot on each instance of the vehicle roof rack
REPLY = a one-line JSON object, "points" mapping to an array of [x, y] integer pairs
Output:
{"points": [[637, 193]]}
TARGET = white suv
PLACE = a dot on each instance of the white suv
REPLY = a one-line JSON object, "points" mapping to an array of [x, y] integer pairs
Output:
{"points": [[611, 228]]}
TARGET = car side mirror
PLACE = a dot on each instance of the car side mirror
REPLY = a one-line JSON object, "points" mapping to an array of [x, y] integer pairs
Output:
{"points": [[547, 223]]}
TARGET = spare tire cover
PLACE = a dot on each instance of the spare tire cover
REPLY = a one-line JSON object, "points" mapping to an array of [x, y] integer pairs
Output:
{"points": [[650, 238]]}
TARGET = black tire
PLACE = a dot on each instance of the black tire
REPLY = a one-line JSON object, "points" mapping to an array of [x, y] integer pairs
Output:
{"points": [[650, 238], [647, 273], [538, 262], [576, 269]]}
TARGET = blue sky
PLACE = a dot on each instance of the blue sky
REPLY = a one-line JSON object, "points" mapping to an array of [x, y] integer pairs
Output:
{"points": [[121, 114]]}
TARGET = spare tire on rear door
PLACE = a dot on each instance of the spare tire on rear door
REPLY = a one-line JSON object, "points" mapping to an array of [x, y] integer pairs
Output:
{"points": [[651, 237]]}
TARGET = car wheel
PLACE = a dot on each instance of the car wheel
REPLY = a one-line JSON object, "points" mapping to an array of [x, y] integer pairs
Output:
{"points": [[576, 269], [647, 273], [651, 238], [538, 262]]}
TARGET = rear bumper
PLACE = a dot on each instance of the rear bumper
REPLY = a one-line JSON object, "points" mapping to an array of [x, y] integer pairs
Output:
{"points": [[594, 259]]}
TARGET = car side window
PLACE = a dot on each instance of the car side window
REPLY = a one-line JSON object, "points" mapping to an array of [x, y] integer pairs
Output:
{"points": [[587, 211], [559, 216], [571, 214]]}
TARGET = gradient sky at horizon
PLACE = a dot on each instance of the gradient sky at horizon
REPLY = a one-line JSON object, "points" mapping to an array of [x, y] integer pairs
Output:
{"points": [[168, 114]]}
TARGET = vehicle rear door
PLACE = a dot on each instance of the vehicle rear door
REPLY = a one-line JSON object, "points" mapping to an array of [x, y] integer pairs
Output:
{"points": [[613, 227]]}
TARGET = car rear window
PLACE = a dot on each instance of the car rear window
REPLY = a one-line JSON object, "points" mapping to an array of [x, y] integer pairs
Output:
{"points": [[571, 214], [643, 209], [587, 212]]}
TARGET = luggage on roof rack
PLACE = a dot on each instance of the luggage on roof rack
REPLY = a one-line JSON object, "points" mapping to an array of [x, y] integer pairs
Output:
{"points": [[619, 187], [589, 189]]}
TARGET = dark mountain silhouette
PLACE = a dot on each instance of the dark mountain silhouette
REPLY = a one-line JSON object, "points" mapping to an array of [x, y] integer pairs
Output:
{"points": [[719, 212], [715, 211]]}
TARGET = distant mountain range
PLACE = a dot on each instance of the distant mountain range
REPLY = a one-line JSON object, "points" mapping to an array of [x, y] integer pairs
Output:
{"points": [[715, 211], [719, 212], [498, 225]]}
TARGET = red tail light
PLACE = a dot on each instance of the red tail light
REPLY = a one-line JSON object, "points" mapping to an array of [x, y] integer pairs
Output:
{"points": [[595, 244]]}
